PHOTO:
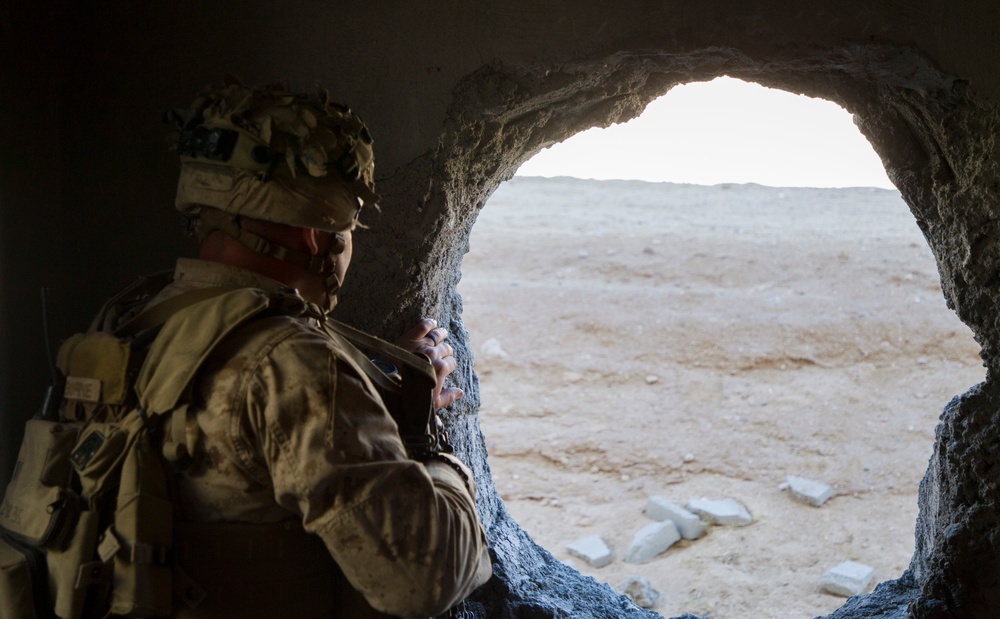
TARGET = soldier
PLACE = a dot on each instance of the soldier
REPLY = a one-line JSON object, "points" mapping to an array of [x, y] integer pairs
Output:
{"points": [[292, 436]]}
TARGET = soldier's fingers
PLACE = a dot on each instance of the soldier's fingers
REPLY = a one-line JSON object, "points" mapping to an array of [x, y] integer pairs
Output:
{"points": [[447, 397], [418, 332], [443, 366], [438, 335], [441, 351]]}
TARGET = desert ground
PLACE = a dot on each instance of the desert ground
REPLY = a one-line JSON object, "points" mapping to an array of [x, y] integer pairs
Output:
{"points": [[637, 339]]}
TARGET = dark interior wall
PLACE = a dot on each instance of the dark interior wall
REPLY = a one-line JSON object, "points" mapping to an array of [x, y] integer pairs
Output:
{"points": [[457, 94], [31, 247]]}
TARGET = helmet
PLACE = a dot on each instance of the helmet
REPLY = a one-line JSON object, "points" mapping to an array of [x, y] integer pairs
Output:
{"points": [[275, 155]]}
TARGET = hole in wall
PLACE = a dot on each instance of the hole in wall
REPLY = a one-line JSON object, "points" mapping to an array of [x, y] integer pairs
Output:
{"points": [[637, 339]]}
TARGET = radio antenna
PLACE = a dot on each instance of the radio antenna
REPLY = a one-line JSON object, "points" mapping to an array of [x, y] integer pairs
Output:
{"points": [[53, 395], [45, 330]]}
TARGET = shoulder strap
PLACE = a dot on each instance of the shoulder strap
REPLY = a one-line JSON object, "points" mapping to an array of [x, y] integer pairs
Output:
{"points": [[383, 349], [133, 295], [186, 339], [161, 312]]}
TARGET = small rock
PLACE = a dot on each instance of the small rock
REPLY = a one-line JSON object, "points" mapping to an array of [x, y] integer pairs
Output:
{"points": [[583, 253], [652, 379], [491, 349], [652, 540], [688, 524], [572, 377], [808, 491], [848, 579], [689, 458], [640, 591], [725, 512], [648, 250], [592, 549]]}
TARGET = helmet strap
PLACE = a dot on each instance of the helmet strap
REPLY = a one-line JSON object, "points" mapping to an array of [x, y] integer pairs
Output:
{"points": [[325, 265]]}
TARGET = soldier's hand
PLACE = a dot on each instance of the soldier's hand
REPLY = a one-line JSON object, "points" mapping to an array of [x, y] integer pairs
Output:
{"points": [[428, 339]]}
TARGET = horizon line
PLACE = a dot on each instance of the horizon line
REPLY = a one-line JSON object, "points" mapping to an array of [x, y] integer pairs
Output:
{"points": [[721, 184]]}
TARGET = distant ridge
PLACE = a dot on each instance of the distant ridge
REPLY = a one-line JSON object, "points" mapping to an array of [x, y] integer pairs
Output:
{"points": [[637, 183]]}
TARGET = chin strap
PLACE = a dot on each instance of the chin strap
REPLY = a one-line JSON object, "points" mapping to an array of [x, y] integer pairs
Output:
{"points": [[324, 265]]}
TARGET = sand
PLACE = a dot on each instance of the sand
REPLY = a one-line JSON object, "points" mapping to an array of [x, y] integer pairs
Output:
{"points": [[637, 339]]}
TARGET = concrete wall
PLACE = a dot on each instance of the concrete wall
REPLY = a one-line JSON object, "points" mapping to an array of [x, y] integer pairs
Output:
{"points": [[457, 94]]}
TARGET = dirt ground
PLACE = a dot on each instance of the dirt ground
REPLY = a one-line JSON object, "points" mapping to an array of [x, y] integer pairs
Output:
{"points": [[637, 339]]}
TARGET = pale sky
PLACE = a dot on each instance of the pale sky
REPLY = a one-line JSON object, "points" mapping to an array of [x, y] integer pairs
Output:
{"points": [[723, 131]]}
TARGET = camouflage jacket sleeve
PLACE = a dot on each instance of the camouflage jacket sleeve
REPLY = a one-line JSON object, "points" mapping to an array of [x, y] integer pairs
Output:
{"points": [[407, 536]]}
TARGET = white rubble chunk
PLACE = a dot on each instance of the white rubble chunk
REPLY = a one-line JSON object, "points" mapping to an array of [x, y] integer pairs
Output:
{"points": [[640, 591], [572, 377], [651, 540], [808, 491], [689, 525], [725, 512], [591, 549], [848, 579], [491, 349]]}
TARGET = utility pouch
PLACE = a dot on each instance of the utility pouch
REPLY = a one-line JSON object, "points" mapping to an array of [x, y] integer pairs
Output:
{"points": [[69, 576], [97, 458], [143, 573], [22, 578], [141, 540], [96, 369], [38, 507]]}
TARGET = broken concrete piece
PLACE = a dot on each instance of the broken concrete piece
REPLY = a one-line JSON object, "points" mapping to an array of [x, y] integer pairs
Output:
{"points": [[726, 512], [807, 491], [689, 525], [848, 579], [491, 349], [651, 540], [592, 549], [640, 591]]}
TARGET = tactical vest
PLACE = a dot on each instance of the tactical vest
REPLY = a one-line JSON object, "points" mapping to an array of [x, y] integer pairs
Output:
{"points": [[87, 525]]}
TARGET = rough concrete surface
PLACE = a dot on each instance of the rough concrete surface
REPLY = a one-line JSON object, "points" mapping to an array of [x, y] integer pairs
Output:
{"points": [[458, 95]]}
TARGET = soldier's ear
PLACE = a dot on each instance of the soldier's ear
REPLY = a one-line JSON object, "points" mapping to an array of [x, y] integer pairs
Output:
{"points": [[310, 238]]}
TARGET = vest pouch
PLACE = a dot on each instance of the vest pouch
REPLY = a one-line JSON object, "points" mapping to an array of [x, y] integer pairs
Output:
{"points": [[143, 533], [98, 458], [38, 508], [22, 581], [142, 581], [68, 585]]}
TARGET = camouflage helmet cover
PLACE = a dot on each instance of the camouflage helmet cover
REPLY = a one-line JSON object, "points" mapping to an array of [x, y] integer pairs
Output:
{"points": [[275, 155]]}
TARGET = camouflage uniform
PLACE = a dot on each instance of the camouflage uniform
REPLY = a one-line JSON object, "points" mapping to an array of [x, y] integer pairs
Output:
{"points": [[290, 429]]}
